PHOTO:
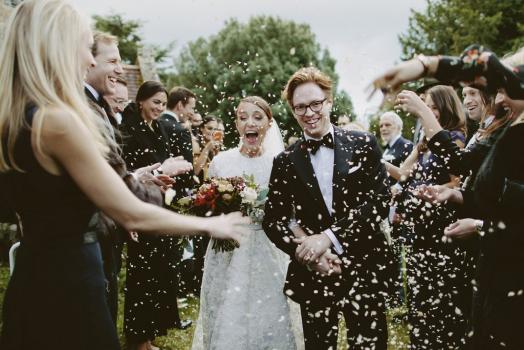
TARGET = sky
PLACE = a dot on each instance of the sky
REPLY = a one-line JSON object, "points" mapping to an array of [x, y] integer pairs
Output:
{"points": [[362, 35]]}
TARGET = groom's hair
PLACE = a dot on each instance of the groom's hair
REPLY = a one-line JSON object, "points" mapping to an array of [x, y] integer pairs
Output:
{"points": [[307, 75]]}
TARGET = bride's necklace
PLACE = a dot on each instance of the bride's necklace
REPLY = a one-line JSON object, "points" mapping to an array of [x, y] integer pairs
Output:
{"points": [[251, 154]]}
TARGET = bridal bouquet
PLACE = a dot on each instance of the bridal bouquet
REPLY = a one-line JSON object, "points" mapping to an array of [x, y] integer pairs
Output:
{"points": [[225, 195]]}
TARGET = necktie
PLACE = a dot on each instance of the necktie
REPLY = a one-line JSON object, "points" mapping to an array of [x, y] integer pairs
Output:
{"points": [[326, 141]]}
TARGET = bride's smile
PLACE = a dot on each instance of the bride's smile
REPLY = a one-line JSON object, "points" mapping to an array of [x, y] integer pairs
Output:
{"points": [[252, 123]]}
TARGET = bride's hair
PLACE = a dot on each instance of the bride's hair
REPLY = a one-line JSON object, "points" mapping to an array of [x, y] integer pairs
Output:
{"points": [[40, 65], [260, 103]]}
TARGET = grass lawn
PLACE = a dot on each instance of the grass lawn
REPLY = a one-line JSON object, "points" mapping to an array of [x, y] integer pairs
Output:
{"points": [[181, 339]]}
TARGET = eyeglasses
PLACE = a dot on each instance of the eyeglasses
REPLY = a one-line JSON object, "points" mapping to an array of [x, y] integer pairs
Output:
{"points": [[315, 106]]}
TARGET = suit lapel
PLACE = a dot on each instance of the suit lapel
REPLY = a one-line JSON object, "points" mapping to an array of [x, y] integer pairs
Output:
{"points": [[302, 162], [341, 169]]}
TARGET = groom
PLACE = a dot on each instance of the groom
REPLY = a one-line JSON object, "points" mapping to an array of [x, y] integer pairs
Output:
{"points": [[332, 182]]}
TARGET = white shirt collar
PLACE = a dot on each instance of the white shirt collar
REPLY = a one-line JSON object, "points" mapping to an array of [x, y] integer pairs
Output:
{"points": [[173, 114], [393, 140], [330, 130], [92, 90]]}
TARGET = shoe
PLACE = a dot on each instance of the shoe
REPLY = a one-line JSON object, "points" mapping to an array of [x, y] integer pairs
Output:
{"points": [[184, 324]]}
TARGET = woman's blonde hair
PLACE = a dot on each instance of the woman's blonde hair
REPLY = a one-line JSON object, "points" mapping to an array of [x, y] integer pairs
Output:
{"points": [[40, 65]]}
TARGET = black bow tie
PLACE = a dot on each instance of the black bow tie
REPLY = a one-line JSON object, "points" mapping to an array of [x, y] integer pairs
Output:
{"points": [[314, 145]]}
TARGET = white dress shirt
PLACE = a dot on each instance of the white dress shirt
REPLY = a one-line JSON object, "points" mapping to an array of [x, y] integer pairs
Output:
{"points": [[93, 92], [323, 162]]}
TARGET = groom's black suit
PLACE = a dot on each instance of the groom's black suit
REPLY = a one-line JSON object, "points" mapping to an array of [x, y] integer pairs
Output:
{"points": [[360, 200]]}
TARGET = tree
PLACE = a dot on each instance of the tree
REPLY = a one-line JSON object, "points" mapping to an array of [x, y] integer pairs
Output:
{"points": [[256, 58], [129, 37], [127, 32], [449, 26]]}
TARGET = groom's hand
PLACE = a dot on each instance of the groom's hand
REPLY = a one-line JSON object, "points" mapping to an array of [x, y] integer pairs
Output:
{"points": [[310, 248], [327, 264]]}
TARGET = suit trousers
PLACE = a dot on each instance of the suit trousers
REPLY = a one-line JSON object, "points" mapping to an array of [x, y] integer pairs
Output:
{"points": [[365, 319]]}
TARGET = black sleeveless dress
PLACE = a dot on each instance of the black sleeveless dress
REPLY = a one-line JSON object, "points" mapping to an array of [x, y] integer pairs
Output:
{"points": [[55, 297]]}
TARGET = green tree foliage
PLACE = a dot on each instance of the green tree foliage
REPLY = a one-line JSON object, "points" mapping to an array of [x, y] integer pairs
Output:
{"points": [[129, 38], [127, 32], [256, 58], [448, 26]]}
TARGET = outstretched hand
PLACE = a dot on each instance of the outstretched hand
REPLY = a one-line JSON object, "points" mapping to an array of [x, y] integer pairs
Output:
{"points": [[437, 194], [175, 166], [461, 229], [390, 81], [230, 226]]}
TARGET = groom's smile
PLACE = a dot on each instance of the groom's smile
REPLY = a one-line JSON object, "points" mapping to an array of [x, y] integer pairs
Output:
{"points": [[311, 109]]}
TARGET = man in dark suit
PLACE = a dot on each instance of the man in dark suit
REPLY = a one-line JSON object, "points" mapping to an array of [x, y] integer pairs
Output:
{"points": [[101, 80], [180, 108], [331, 182], [396, 147], [396, 150]]}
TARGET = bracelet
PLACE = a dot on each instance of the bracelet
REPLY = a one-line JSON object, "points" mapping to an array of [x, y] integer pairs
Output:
{"points": [[425, 63]]}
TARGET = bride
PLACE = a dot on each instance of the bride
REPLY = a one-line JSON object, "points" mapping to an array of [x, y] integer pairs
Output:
{"points": [[242, 305]]}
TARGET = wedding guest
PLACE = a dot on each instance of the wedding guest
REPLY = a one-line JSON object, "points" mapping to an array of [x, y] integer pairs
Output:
{"points": [[495, 197], [343, 120], [210, 144], [118, 101], [151, 280], [438, 284], [54, 175], [196, 121], [99, 82], [179, 108], [479, 105], [493, 290], [396, 147]]}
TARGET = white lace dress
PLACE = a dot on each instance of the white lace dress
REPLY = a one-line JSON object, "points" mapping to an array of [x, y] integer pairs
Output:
{"points": [[242, 305]]}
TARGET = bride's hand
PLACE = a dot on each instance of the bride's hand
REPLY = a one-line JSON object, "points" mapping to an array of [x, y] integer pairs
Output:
{"points": [[327, 264], [230, 226]]}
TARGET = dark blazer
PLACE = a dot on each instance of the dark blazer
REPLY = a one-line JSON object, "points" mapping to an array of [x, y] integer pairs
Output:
{"points": [[400, 150], [146, 192], [143, 146], [360, 200], [497, 197], [179, 137]]}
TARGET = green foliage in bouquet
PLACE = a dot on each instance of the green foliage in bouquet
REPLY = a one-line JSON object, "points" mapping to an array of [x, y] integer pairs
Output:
{"points": [[217, 196]]}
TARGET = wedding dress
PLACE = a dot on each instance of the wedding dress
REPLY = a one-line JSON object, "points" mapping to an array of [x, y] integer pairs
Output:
{"points": [[242, 305]]}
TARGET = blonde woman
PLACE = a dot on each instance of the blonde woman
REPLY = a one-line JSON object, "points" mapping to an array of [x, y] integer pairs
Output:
{"points": [[54, 175]]}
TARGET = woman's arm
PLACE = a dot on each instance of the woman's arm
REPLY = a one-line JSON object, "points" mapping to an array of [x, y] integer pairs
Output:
{"points": [[403, 172], [67, 145], [410, 102], [200, 162]]}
